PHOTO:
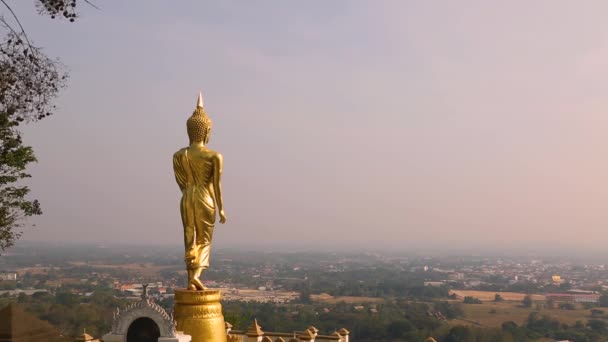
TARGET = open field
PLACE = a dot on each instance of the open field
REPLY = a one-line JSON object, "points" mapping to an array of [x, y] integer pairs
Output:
{"points": [[326, 298], [489, 295], [480, 314], [32, 270], [246, 295], [145, 269]]}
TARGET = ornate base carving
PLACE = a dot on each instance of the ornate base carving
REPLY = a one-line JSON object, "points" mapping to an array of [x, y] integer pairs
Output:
{"points": [[199, 314]]}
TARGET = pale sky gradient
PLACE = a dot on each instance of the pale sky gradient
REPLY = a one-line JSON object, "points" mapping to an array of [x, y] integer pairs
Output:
{"points": [[406, 123]]}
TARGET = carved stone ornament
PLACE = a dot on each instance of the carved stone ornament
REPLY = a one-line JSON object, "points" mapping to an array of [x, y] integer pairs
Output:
{"points": [[144, 308]]}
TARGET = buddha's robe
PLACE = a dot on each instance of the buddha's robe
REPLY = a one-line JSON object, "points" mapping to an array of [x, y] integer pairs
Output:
{"points": [[193, 169]]}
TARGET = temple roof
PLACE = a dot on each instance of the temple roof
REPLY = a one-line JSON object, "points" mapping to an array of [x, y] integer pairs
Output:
{"points": [[84, 337], [17, 325], [307, 335], [343, 332]]}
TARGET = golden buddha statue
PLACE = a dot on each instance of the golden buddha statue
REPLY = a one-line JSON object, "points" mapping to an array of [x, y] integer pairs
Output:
{"points": [[198, 172]]}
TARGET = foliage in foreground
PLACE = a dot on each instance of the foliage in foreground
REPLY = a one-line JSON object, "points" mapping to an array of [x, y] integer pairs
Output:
{"points": [[29, 82], [398, 320]]}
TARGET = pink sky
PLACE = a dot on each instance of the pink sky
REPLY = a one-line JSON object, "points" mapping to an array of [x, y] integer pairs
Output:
{"points": [[343, 123]]}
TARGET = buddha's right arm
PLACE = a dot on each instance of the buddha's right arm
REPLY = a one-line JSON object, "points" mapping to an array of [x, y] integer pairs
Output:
{"points": [[217, 182]]}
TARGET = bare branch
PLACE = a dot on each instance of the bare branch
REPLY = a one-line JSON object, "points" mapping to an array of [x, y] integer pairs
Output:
{"points": [[92, 4], [18, 22], [8, 26]]}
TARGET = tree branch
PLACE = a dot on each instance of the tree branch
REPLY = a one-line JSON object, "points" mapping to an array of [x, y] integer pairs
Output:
{"points": [[8, 26], [18, 23], [91, 4]]}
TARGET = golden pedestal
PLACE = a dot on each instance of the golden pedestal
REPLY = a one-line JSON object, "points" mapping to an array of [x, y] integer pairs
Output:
{"points": [[199, 314]]}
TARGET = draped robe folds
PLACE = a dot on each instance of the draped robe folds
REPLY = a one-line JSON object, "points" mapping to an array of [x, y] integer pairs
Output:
{"points": [[194, 174]]}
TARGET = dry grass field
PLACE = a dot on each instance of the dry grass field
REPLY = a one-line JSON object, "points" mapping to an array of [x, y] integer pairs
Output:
{"points": [[489, 295], [491, 314], [247, 295], [329, 299], [146, 270], [32, 270]]}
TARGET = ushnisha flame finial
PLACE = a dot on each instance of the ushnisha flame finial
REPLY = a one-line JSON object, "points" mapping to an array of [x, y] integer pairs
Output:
{"points": [[199, 103], [199, 124]]}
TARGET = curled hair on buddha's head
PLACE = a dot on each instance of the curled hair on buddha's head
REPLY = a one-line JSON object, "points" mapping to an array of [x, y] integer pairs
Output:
{"points": [[199, 124]]}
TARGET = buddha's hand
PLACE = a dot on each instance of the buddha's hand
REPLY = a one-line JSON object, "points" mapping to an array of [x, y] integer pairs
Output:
{"points": [[222, 216]]}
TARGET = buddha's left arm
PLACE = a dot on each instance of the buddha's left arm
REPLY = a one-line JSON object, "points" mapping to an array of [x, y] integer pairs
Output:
{"points": [[180, 175]]}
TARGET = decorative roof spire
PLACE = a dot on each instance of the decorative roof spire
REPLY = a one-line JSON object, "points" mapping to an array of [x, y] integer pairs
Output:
{"points": [[144, 294], [199, 103], [254, 329]]}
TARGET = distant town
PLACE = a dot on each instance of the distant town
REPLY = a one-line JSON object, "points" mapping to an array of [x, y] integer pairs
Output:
{"points": [[472, 291]]}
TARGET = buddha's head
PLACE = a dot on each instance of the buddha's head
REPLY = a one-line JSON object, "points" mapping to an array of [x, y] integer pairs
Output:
{"points": [[199, 124]]}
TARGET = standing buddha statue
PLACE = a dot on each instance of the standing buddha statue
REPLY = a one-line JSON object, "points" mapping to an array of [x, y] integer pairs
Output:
{"points": [[198, 172]]}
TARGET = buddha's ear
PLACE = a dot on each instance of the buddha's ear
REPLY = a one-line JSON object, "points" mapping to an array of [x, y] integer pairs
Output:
{"points": [[207, 135]]}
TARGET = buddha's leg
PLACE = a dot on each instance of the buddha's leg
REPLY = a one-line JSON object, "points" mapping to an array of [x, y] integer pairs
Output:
{"points": [[189, 257], [189, 240], [204, 232], [190, 248], [194, 267]]}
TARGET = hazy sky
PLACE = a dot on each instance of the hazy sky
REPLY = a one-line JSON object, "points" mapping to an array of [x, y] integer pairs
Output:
{"points": [[342, 123]]}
